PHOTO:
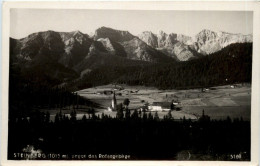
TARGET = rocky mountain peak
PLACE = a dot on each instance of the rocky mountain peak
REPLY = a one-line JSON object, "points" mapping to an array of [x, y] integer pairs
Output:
{"points": [[161, 33], [205, 35], [77, 32], [185, 39], [208, 41], [161, 38], [115, 35], [149, 38], [206, 31]]}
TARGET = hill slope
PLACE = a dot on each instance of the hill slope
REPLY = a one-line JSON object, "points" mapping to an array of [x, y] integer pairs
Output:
{"points": [[231, 65]]}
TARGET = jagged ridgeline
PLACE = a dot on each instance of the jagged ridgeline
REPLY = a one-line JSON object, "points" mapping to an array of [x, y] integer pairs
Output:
{"points": [[76, 60]]}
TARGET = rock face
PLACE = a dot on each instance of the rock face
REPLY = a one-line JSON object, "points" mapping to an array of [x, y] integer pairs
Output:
{"points": [[76, 48], [115, 35], [184, 39], [208, 42], [54, 54], [173, 45], [113, 48], [65, 48], [183, 47], [42, 43], [138, 50], [124, 44], [149, 38]]}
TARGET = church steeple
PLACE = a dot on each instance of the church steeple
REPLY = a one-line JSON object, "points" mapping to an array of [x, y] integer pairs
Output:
{"points": [[114, 104]]}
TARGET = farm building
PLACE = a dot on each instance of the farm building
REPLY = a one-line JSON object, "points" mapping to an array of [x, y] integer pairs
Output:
{"points": [[160, 106], [163, 106]]}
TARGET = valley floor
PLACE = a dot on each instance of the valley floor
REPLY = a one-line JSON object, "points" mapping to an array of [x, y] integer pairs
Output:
{"points": [[217, 102]]}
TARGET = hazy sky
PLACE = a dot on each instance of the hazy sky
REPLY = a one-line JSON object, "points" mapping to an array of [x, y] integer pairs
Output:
{"points": [[27, 21]]}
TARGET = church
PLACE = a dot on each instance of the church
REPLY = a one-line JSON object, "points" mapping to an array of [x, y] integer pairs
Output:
{"points": [[113, 106]]}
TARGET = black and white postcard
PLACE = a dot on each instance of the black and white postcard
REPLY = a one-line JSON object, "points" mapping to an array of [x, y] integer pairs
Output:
{"points": [[130, 81]]}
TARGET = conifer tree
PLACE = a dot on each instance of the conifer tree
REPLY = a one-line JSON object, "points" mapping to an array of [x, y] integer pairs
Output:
{"points": [[102, 115], [126, 102], [120, 114], [150, 116], [127, 113], [57, 118], [73, 116], [84, 118], [144, 116], [156, 116], [169, 115], [47, 117], [134, 115]]}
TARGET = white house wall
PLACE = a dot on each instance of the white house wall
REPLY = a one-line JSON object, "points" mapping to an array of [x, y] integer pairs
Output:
{"points": [[155, 108]]}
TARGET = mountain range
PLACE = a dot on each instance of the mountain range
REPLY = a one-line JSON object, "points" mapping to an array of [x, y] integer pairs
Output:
{"points": [[68, 55], [183, 47]]}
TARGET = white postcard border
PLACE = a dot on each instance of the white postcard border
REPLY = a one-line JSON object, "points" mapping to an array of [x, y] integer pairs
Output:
{"points": [[153, 5]]}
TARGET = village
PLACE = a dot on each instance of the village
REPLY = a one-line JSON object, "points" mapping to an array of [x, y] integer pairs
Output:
{"points": [[217, 102]]}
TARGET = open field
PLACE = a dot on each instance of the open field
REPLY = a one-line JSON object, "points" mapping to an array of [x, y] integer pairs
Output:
{"points": [[217, 102]]}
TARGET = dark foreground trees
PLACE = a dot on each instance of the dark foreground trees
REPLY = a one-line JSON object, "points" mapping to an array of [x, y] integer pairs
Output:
{"points": [[142, 138]]}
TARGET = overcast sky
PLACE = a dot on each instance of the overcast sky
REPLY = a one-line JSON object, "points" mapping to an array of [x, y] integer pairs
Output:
{"points": [[27, 21]]}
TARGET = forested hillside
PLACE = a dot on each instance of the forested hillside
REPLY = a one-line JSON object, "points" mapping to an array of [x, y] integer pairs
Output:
{"points": [[29, 92], [230, 65]]}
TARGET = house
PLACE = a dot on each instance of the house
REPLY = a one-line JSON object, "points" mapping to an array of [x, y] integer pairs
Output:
{"points": [[160, 106], [99, 92], [163, 106], [175, 102]]}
